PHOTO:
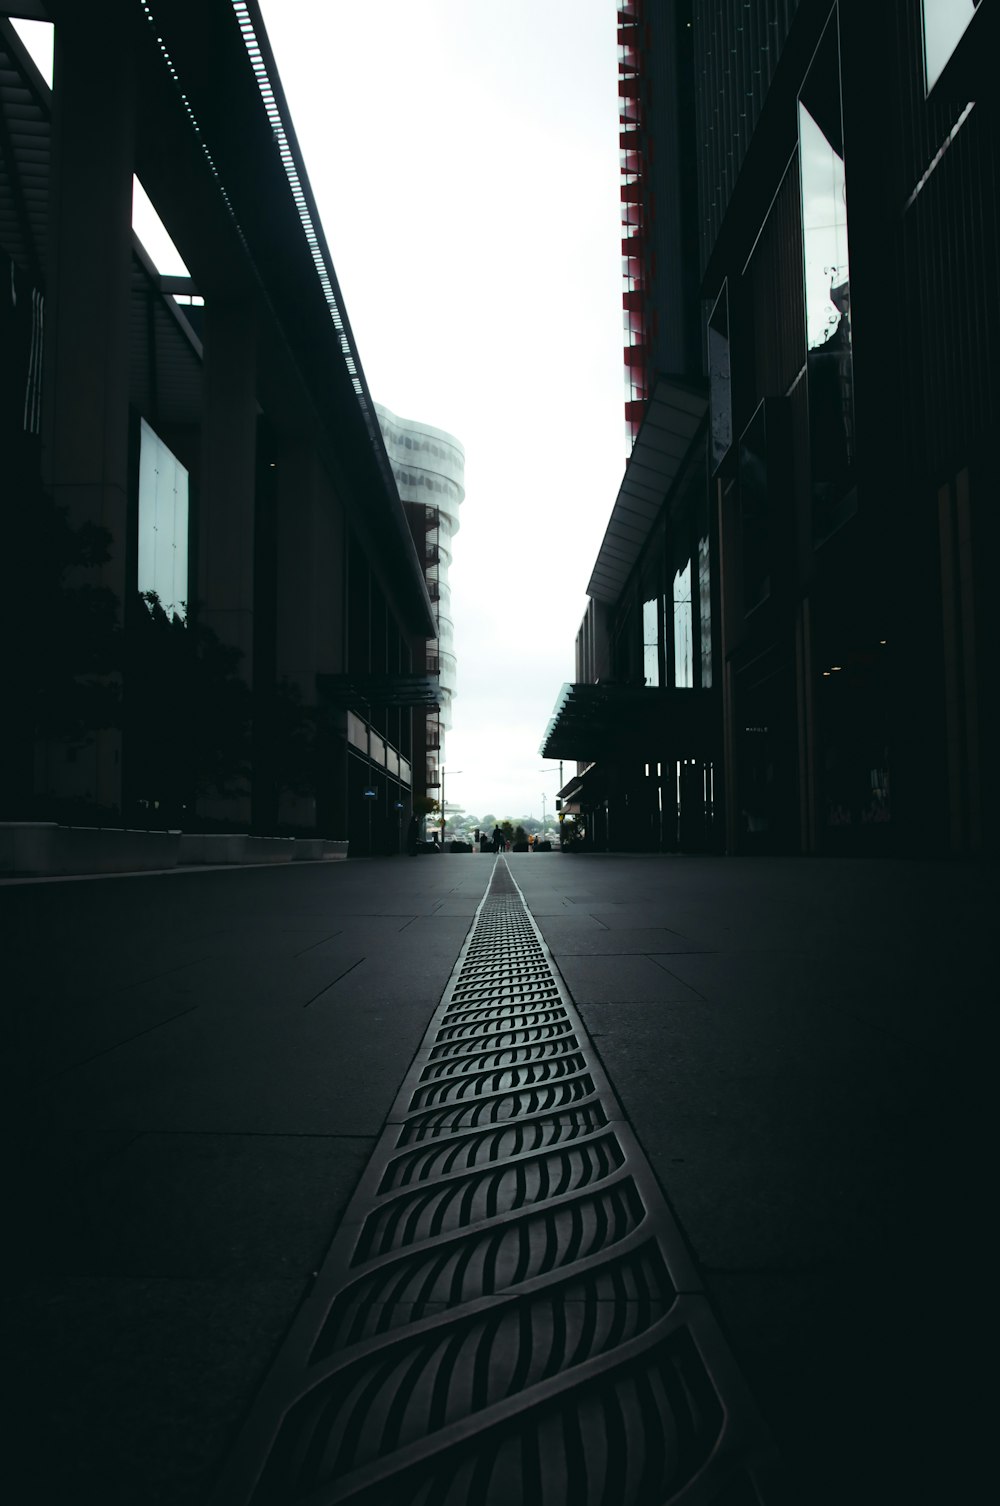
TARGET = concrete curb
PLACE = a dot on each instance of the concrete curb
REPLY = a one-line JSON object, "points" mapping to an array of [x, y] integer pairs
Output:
{"points": [[40, 849]]}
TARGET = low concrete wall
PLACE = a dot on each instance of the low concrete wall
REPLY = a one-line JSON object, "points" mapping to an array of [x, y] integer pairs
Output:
{"points": [[308, 850], [213, 847], [34, 849], [269, 849], [27, 846], [110, 849]]}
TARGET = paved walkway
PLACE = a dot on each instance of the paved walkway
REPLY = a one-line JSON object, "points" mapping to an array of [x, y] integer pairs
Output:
{"points": [[203, 1063]]}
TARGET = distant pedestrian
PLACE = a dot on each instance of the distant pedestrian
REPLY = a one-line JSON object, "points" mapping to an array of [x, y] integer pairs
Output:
{"points": [[497, 839], [413, 835]]}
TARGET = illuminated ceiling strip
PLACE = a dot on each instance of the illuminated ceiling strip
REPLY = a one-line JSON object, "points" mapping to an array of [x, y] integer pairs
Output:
{"points": [[295, 183], [194, 122], [288, 162]]}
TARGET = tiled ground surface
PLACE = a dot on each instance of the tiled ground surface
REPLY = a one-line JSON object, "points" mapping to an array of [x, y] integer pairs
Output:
{"points": [[201, 1065], [815, 1109]]}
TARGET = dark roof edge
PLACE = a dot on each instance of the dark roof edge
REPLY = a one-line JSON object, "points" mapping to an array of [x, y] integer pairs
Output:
{"points": [[697, 395]]}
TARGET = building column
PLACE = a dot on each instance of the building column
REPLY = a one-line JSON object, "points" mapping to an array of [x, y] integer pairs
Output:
{"points": [[86, 375], [297, 565], [310, 606], [227, 498]]}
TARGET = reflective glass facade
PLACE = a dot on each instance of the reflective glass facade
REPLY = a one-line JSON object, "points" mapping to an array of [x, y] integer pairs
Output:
{"points": [[827, 289], [705, 605], [683, 627], [651, 640], [163, 523], [945, 23], [719, 378]]}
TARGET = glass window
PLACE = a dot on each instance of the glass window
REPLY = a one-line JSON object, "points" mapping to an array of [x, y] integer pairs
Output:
{"points": [[718, 368], [163, 523], [827, 289], [683, 627], [945, 22], [651, 641], [705, 609]]}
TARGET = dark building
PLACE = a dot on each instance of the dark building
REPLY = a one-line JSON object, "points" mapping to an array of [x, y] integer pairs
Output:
{"points": [[643, 719], [209, 438], [844, 168]]}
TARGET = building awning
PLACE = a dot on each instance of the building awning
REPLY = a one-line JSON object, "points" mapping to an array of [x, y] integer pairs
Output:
{"points": [[636, 722], [364, 691], [585, 788], [673, 416]]}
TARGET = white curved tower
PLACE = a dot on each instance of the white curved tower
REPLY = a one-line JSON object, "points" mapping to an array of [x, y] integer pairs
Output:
{"points": [[429, 467]]}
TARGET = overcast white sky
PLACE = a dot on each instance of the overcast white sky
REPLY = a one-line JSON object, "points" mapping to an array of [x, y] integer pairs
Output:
{"points": [[464, 159]]}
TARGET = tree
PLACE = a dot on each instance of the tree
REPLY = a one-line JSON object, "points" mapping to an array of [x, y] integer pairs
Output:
{"points": [[488, 821], [71, 657], [187, 712], [62, 637]]}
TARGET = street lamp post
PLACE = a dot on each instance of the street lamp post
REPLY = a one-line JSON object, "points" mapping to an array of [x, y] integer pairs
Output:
{"points": [[444, 809], [550, 771]]}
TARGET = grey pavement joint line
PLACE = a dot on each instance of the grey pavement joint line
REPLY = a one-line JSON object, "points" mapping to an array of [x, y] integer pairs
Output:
{"points": [[508, 1313], [125, 1041], [314, 944], [333, 982]]}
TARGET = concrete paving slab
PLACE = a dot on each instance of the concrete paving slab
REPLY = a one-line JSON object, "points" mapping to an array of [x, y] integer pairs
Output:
{"points": [[594, 939], [307, 1071], [864, 1355], [818, 1120], [624, 980], [191, 1206], [130, 1390]]}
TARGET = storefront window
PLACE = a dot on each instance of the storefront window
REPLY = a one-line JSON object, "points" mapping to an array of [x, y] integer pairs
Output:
{"points": [[827, 289]]}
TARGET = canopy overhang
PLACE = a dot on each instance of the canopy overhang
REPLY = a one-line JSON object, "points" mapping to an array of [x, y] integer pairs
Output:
{"points": [[674, 415], [615, 722], [361, 692], [585, 788]]}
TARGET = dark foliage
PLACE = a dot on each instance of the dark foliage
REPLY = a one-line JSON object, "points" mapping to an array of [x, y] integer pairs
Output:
{"points": [[72, 650], [187, 712]]}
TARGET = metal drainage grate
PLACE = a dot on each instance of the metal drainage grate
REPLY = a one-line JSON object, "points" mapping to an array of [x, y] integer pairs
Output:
{"points": [[508, 1315]]}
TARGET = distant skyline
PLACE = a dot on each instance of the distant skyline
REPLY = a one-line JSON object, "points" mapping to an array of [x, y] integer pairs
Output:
{"points": [[464, 161]]}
